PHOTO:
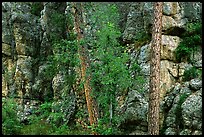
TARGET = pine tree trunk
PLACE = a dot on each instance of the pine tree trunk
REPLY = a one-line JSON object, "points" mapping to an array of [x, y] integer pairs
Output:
{"points": [[153, 118], [82, 51]]}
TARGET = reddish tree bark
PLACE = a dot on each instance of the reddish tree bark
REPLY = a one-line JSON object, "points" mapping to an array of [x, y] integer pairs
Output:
{"points": [[153, 115], [82, 51]]}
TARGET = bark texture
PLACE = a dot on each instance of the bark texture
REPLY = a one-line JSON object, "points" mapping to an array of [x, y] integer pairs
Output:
{"points": [[82, 51], [153, 121]]}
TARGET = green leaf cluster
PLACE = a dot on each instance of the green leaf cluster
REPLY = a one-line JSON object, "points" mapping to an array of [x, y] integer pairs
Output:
{"points": [[36, 8], [192, 73], [109, 70], [10, 123], [178, 111], [191, 41]]}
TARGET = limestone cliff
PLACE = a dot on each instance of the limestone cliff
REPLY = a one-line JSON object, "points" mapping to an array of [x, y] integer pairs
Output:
{"points": [[29, 30]]}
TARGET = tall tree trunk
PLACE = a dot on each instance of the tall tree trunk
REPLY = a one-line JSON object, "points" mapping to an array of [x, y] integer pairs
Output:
{"points": [[153, 121], [82, 51]]}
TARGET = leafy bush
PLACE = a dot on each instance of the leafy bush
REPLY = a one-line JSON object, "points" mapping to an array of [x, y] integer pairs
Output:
{"points": [[36, 8], [37, 128], [110, 74], [192, 73], [142, 39], [191, 41], [178, 111], [10, 122]]}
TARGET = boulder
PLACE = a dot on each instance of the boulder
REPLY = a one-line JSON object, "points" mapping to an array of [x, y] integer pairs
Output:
{"points": [[197, 132], [144, 54], [145, 69], [196, 58], [191, 10], [167, 72], [168, 22], [6, 23], [192, 111], [195, 84], [170, 131], [171, 8], [24, 76], [182, 67], [168, 47], [133, 26], [134, 112], [185, 132]]}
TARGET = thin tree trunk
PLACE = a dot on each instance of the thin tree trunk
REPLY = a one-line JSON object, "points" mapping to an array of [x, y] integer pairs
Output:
{"points": [[91, 104], [153, 118]]}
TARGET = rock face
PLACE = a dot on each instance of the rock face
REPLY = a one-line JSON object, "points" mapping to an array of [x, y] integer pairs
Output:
{"points": [[28, 35], [175, 17], [183, 108], [133, 26], [134, 113], [27, 42]]}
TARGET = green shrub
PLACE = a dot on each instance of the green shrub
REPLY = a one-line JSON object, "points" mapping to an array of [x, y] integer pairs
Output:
{"points": [[10, 122], [178, 112], [192, 73], [141, 39], [37, 128], [36, 8], [191, 41]]}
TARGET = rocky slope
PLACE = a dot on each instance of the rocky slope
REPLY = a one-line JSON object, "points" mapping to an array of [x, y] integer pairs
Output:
{"points": [[27, 36]]}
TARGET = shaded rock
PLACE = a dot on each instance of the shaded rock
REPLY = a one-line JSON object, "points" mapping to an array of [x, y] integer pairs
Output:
{"points": [[4, 87], [133, 26], [123, 8], [170, 131], [134, 112], [26, 39], [167, 72], [144, 55], [26, 110], [185, 132], [24, 76], [172, 106], [6, 49], [148, 16], [65, 106], [170, 8], [168, 22], [168, 47], [191, 10], [42, 88], [196, 58], [182, 67], [197, 132], [192, 111], [169, 98], [138, 132], [145, 69], [195, 84], [136, 107]]}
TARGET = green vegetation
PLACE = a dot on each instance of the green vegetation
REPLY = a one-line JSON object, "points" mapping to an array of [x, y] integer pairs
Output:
{"points": [[110, 75], [142, 39], [57, 33], [37, 121], [36, 8], [191, 41], [178, 112], [192, 73], [10, 122]]}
